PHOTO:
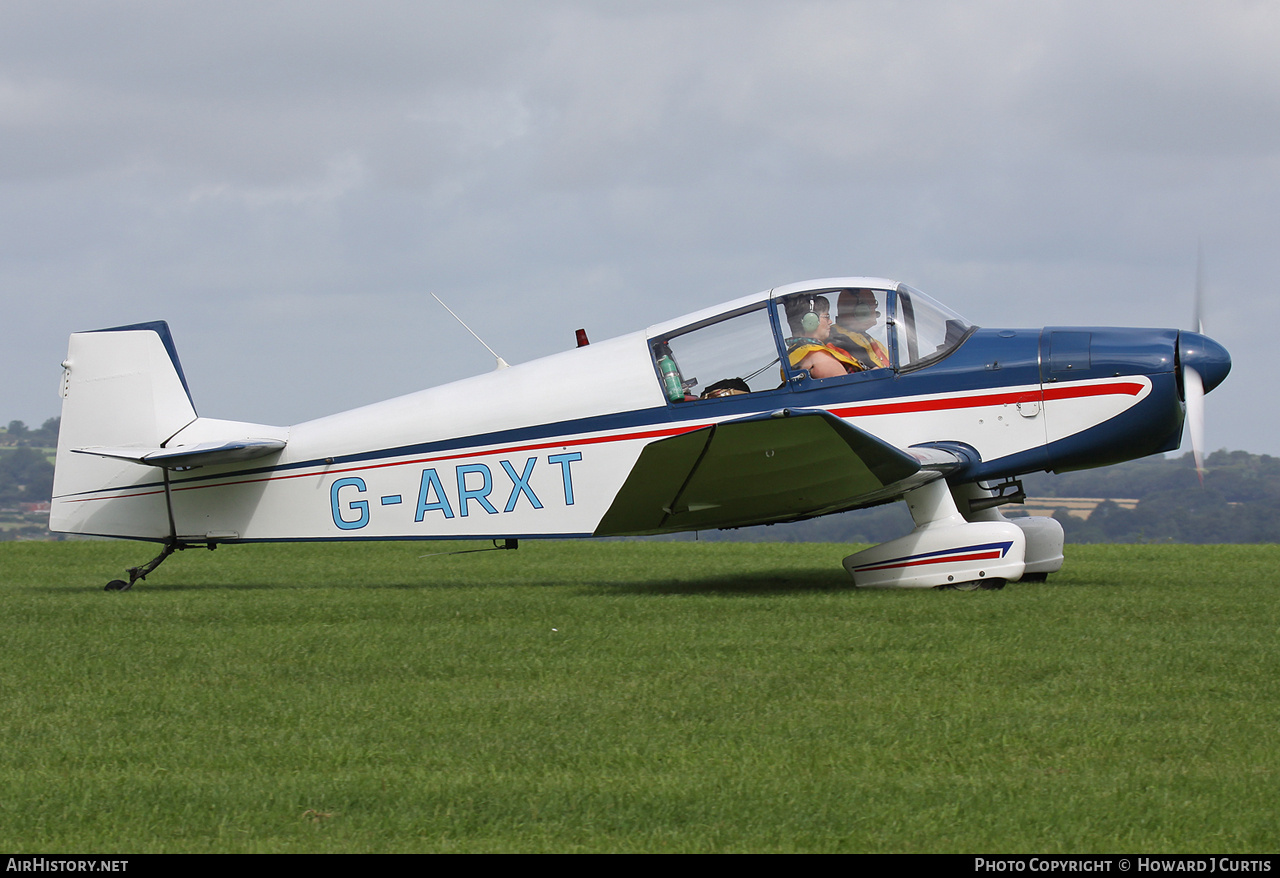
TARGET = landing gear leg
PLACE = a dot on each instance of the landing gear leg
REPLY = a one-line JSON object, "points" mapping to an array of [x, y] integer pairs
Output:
{"points": [[136, 573], [1044, 535]]}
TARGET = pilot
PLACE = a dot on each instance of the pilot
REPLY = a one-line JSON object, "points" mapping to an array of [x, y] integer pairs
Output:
{"points": [[809, 317], [858, 313]]}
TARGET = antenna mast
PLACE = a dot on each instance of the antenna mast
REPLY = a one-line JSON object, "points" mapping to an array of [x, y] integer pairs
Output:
{"points": [[502, 364]]}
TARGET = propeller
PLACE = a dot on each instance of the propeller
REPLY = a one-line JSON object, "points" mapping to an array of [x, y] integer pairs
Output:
{"points": [[1193, 390], [1192, 383]]}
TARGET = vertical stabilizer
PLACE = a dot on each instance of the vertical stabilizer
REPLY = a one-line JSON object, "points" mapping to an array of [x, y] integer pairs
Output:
{"points": [[121, 387]]}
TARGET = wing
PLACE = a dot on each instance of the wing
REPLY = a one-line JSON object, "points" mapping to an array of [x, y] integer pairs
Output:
{"points": [[780, 466]]}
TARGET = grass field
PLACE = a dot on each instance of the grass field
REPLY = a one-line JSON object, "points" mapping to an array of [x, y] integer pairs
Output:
{"points": [[634, 696]]}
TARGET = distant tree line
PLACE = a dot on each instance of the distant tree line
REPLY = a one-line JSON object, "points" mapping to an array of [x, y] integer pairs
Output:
{"points": [[1239, 502], [26, 476], [19, 434]]}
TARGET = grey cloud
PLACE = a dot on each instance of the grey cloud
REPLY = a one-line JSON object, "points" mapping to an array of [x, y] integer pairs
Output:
{"points": [[286, 180]]}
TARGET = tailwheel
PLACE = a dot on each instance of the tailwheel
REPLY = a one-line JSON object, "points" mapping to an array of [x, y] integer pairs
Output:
{"points": [[135, 573]]}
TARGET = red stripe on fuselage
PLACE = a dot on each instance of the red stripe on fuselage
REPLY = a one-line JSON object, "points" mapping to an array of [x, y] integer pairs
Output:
{"points": [[514, 449], [1055, 392], [560, 443]]}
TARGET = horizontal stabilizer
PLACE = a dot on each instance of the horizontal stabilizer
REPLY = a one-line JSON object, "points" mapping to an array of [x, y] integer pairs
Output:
{"points": [[188, 456]]}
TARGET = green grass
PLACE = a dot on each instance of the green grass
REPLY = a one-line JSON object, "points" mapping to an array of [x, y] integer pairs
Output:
{"points": [[633, 697]]}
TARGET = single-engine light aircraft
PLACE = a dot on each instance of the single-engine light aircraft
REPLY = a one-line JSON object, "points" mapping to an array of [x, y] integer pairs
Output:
{"points": [[800, 401]]}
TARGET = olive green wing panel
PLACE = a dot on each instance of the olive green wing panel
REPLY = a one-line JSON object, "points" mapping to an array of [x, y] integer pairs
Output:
{"points": [[645, 500], [778, 467]]}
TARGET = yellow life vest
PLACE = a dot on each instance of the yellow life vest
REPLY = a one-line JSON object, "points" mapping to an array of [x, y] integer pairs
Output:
{"points": [[875, 352], [799, 348]]}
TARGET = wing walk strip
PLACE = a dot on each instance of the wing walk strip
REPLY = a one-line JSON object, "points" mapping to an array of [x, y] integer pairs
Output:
{"points": [[1052, 393]]}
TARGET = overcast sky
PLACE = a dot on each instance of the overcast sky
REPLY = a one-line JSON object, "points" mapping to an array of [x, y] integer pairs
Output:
{"points": [[287, 182]]}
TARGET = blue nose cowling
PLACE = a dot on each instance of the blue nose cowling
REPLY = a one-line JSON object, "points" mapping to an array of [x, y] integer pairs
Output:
{"points": [[1204, 355]]}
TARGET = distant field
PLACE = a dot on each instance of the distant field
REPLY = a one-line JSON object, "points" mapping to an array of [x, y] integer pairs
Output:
{"points": [[634, 696]]}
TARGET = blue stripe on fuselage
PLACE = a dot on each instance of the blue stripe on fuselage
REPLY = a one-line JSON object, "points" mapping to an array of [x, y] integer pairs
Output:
{"points": [[989, 359]]}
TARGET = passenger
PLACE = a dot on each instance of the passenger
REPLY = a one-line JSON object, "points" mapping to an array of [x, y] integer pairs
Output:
{"points": [[858, 313], [809, 317], [727, 387]]}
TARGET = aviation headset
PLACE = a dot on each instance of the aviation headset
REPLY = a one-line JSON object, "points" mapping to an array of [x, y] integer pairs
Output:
{"points": [[864, 310], [812, 319]]}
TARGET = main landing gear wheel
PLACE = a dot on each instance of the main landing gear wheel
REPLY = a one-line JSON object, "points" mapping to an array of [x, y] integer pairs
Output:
{"points": [[118, 585], [993, 584]]}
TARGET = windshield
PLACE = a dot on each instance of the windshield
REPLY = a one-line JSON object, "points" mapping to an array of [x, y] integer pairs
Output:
{"points": [[925, 329]]}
